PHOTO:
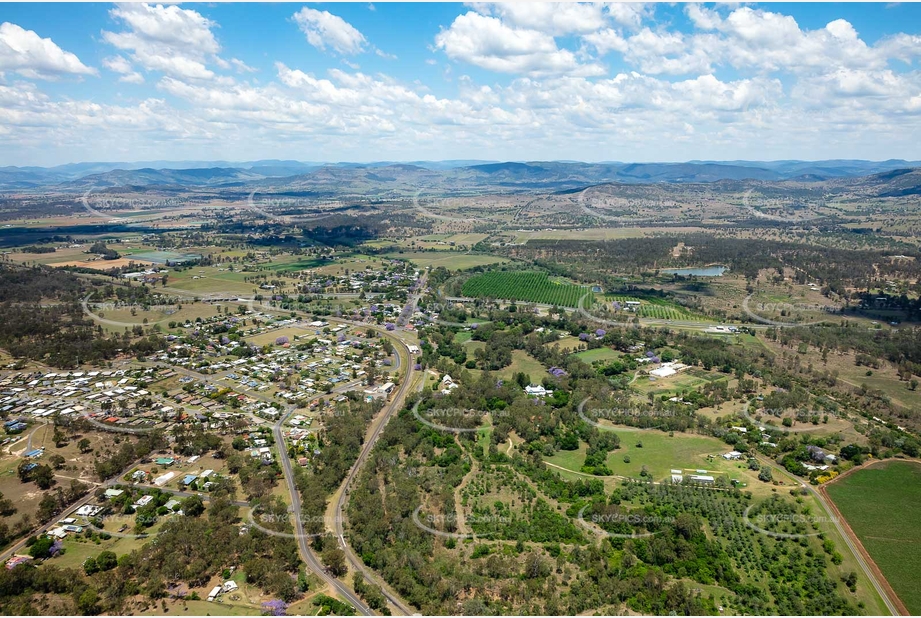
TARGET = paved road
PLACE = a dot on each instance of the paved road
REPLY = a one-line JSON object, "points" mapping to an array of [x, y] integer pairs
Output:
{"points": [[310, 558], [394, 406], [89, 497], [830, 513], [28, 438], [307, 553]]}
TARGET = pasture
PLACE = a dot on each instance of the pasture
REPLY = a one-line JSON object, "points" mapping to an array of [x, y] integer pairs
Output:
{"points": [[598, 354]]}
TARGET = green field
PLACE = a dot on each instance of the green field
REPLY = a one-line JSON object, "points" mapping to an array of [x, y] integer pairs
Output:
{"points": [[660, 453], [522, 362], [526, 286], [598, 354], [882, 505]]}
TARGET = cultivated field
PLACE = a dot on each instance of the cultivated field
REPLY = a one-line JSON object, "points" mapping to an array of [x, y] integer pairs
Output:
{"points": [[882, 504], [525, 286]]}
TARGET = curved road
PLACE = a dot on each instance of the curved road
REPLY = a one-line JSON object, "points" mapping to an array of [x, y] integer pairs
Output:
{"points": [[338, 518], [310, 557]]}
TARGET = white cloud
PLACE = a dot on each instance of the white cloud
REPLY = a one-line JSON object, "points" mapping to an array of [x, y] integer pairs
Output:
{"points": [[793, 92], [629, 14], [26, 53], [554, 18], [241, 66], [325, 30], [489, 43], [118, 64], [176, 41], [753, 39]]}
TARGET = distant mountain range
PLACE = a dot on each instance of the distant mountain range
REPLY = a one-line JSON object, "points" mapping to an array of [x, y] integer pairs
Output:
{"points": [[396, 179]]}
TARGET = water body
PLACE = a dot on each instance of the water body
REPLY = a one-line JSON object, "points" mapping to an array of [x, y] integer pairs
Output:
{"points": [[706, 271]]}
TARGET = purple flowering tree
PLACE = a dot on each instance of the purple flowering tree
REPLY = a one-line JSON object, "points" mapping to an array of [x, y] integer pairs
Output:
{"points": [[55, 548], [275, 607]]}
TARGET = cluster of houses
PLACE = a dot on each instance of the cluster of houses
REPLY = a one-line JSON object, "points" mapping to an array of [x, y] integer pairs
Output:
{"points": [[118, 397], [324, 359], [369, 280]]}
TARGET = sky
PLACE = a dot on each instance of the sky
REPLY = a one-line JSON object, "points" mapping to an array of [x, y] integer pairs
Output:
{"points": [[410, 82]]}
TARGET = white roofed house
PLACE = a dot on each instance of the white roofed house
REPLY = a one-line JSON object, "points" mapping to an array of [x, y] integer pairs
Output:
{"points": [[537, 391], [447, 384]]}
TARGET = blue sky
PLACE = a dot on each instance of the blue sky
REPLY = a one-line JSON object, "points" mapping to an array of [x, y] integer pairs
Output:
{"points": [[394, 81]]}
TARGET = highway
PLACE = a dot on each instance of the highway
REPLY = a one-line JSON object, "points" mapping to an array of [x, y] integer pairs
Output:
{"points": [[338, 516]]}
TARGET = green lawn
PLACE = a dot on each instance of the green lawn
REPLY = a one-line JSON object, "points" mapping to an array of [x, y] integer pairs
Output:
{"points": [[660, 454], [882, 505], [598, 354], [684, 381], [524, 362]]}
